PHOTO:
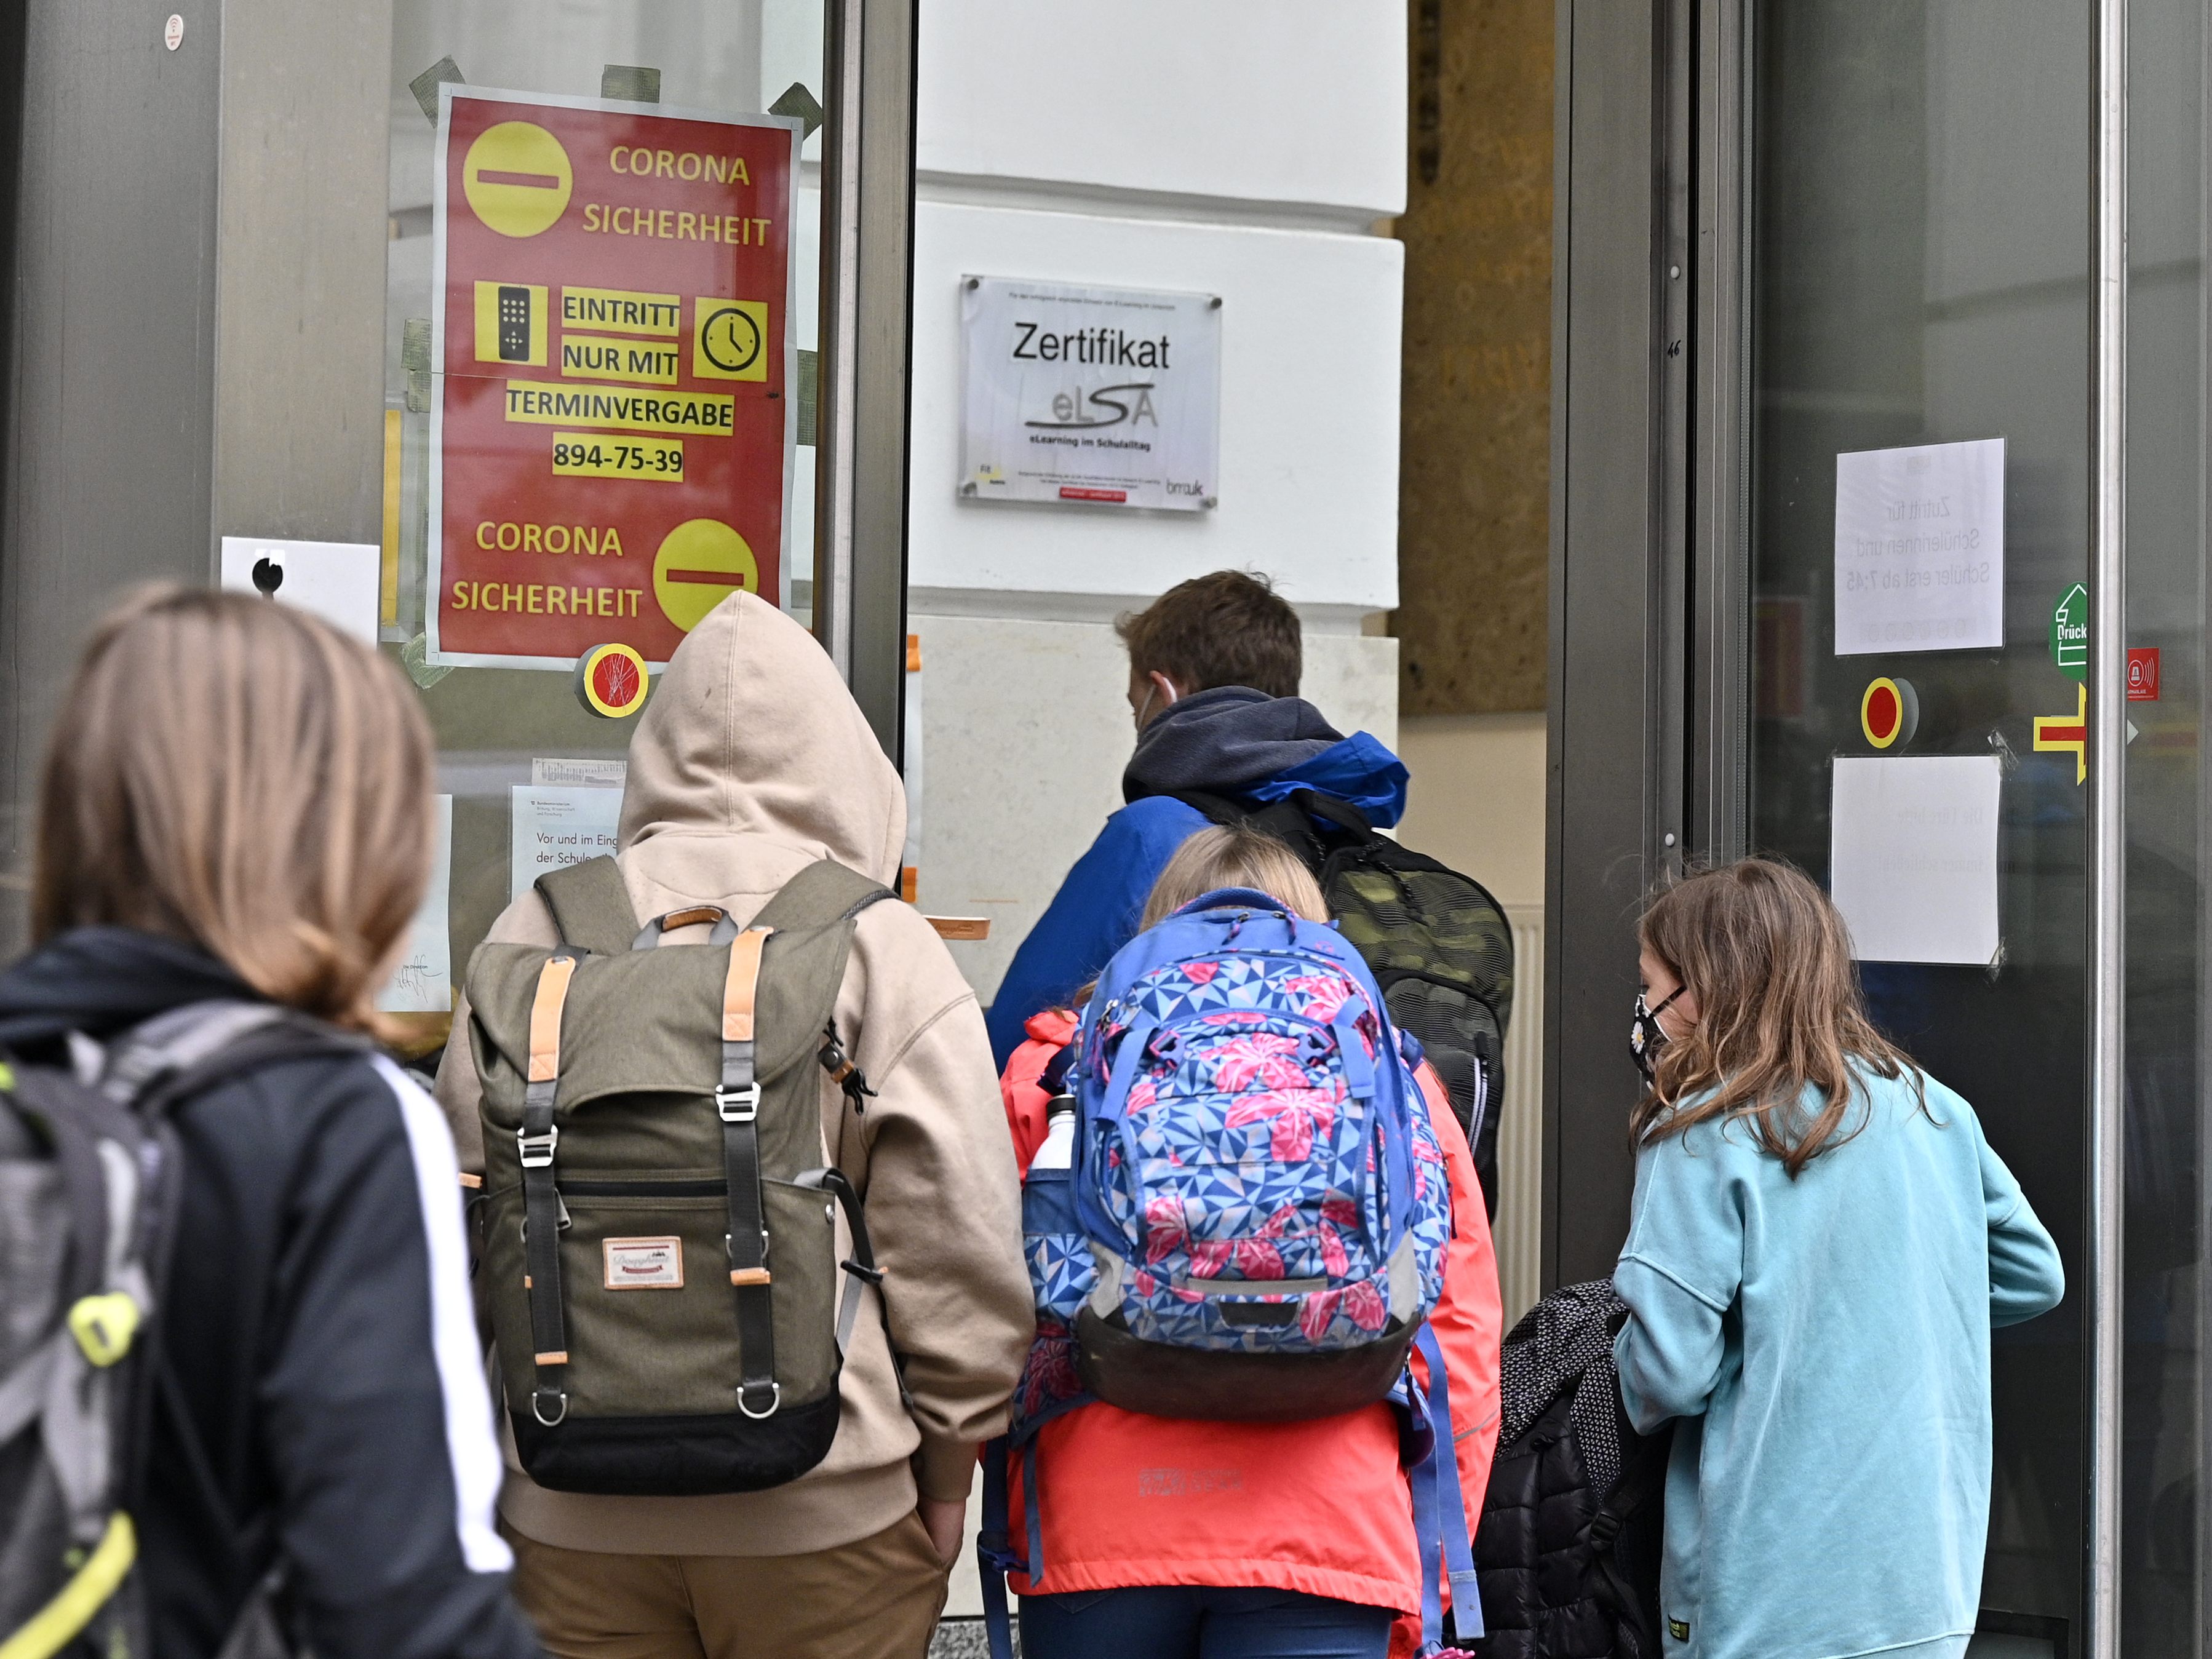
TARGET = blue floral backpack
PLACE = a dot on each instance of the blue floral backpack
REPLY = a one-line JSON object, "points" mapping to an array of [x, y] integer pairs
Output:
{"points": [[1250, 1223]]}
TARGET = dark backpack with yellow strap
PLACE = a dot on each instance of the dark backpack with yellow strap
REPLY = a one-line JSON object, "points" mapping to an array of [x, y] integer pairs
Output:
{"points": [[659, 1219]]}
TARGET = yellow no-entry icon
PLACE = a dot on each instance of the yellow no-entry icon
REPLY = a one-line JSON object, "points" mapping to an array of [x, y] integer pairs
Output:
{"points": [[701, 562], [517, 178]]}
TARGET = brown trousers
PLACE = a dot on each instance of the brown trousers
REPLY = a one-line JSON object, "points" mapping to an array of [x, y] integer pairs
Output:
{"points": [[876, 1599]]}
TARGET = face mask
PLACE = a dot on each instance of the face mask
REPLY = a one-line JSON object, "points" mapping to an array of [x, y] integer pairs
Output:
{"points": [[1146, 707], [1646, 1036]]}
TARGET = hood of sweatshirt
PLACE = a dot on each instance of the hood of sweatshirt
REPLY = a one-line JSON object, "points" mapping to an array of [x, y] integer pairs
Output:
{"points": [[1243, 744], [101, 980], [751, 735], [750, 761]]}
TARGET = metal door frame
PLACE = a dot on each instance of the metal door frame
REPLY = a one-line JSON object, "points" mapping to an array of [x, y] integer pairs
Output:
{"points": [[866, 335], [1649, 707]]}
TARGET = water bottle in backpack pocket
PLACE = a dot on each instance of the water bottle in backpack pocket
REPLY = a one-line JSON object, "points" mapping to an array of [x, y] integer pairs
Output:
{"points": [[1061, 1271]]}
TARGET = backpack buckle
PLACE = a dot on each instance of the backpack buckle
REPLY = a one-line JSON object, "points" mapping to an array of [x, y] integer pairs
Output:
{"points": [[774, 1400], [730, 1250], [538, 1150], [737, 1105]]}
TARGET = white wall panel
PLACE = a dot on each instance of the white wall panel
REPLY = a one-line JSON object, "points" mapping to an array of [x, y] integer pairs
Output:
{"points": [[1290, 102], [1310, 337], [1025, 730]]}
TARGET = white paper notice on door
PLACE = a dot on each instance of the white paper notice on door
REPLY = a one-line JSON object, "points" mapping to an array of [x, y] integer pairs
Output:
{"points": [[339, 581], [588, 774], [423, 981], [1913, 856], [551, 826], [1920, 548]]}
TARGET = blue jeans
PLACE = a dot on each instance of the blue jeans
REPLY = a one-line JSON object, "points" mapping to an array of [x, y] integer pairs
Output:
{"points": [[1195, 1621]]}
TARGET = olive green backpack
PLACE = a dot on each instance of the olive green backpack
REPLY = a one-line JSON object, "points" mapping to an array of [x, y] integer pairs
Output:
{"points": [[659, 1228]]}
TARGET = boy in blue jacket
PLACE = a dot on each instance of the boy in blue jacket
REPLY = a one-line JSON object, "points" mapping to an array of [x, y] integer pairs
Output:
{"points": [[1214, 665]]}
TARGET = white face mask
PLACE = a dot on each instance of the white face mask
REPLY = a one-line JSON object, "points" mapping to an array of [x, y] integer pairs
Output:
{"points": [[1151, 691]]}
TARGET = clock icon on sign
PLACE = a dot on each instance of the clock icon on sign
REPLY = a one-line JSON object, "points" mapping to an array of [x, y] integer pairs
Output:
{"points": [[730, 338]]}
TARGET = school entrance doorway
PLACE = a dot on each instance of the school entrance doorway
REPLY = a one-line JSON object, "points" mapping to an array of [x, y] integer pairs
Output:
{"points": [[1879, 544]]}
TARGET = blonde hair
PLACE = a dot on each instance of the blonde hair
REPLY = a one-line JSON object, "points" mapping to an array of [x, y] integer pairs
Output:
{"points": [[240, 776], [1768, 960], [1233, 856]]}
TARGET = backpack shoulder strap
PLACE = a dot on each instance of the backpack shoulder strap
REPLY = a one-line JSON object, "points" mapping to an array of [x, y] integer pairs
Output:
{"points": [[1342, 814], [590, 906], [814, 912], [1289, 821], [291, 1035], [1216, 809], [824, 893]]}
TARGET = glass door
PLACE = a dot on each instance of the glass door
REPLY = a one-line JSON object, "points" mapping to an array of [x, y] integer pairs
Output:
{"points": [[1918, 525], [603, 287], [2162, 1486]]}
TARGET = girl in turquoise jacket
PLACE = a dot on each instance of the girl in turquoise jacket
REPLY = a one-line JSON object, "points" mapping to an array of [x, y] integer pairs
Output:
{"points": [[1820, 1244]]}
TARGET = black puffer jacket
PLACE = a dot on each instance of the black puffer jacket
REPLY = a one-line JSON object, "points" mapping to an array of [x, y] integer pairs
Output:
{"points": [[317, 1331], [1570, 1543]]}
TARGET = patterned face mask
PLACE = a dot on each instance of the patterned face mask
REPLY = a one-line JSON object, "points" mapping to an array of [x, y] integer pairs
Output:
{"points": [[1646, 1036]]}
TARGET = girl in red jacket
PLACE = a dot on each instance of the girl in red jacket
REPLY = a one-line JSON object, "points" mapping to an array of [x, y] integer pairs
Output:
{"points": [[1183, 1539]]}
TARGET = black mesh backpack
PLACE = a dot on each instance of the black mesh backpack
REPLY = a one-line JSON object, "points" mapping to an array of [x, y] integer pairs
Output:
{"points": [[1439, 945], [1568, 1547]]}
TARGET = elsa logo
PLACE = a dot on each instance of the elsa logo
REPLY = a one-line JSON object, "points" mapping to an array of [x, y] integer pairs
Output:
{"points": [[1072, 410]]}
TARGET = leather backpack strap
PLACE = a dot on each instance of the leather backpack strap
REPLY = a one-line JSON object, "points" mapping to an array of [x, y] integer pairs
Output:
{"points": [[590, 906]]}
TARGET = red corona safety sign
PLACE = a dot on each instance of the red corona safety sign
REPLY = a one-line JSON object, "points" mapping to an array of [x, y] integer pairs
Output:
{"points": [[612, 431]]}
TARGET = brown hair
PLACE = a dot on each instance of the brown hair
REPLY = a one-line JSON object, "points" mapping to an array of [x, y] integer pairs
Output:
{"points": [[1228, 628], [1229, 855], [239, 774], [1769, 962]]}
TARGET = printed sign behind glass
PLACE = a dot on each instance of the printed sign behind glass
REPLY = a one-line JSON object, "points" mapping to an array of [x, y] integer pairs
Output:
{"points": [[611, 438], [1920, 538], [1107, 396]]}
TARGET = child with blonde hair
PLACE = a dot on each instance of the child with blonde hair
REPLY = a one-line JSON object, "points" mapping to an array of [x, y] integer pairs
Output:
{"points": [[1205, 1539], [1210, 861]]}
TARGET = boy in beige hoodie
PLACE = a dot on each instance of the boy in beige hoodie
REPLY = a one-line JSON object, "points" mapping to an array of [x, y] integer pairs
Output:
{"points": [[750, 762]]}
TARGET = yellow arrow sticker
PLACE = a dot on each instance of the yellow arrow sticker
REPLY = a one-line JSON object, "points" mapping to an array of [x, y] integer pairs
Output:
{"points": [[2063, 732]]}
